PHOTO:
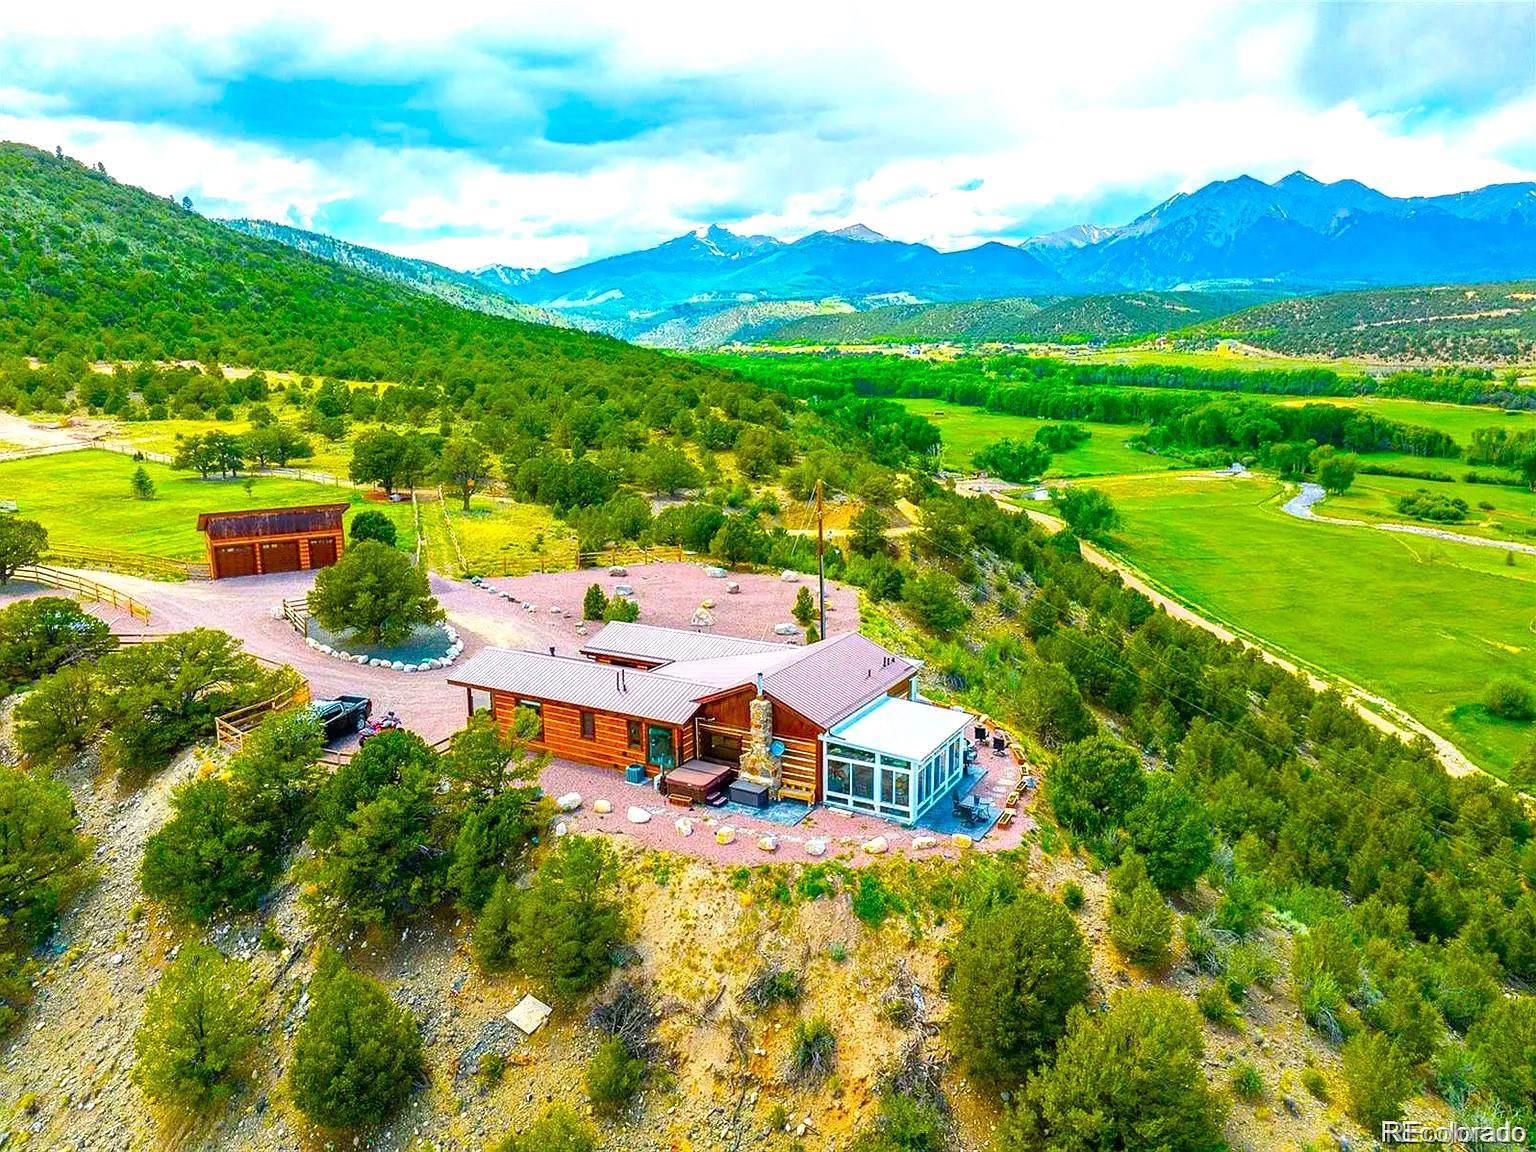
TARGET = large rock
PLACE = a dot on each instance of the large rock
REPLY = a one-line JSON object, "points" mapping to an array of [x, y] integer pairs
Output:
{"points": [[921, 842], [618, 570], [789, 576], [815, 846], [714, 573], [877, 846], [602, 807], [786, 629], [684, 825], [637, 815], [725, 834], [768, 842], [569, 802], [623, 590], [961, 840]]}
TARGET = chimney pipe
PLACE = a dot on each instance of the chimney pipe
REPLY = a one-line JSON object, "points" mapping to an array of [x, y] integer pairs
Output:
{"points": [[551, 649], [759, 685]]}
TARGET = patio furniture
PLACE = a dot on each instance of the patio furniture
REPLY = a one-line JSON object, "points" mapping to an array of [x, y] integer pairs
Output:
{"points": [[981, 733], [1006, 818], [999, 742], [751, 794]]}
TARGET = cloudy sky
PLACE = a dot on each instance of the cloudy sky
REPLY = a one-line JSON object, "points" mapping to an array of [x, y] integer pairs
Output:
{"points": [[561, 132]]}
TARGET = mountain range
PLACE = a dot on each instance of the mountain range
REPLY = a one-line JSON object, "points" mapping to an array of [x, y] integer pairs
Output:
{"points": [[1297, 234]]}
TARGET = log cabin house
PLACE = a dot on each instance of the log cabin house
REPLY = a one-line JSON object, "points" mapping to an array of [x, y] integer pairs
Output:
{"points": [[837, 722], [261, 541]]}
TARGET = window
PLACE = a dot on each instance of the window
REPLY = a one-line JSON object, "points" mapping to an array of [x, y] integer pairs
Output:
{"points": [[632, 732], [839, 775], [848, 752], [588, 726], [864, 781], [536, 710]]}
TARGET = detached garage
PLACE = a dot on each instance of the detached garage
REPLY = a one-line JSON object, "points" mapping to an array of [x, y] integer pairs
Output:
{"points": [[267, 540]]}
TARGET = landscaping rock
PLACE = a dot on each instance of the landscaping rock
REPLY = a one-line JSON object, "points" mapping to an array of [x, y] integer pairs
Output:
{"points": [[562, 828], [725, 834], [623, 590], [786, 630], [789, 576], [602, 807], [569, 802], [961, 840], [637, 815], [816, 846], [618, 570], [398, 665], [732, 587], [684, 825], [876, 847], [768, 842], [921, 842]]}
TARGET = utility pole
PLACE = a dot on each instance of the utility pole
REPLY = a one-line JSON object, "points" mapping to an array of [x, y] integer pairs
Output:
{"points": [[821, 560]]}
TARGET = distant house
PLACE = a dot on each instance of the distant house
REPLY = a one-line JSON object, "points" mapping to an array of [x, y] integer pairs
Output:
{"points": [[837, 722], [261, 541]]}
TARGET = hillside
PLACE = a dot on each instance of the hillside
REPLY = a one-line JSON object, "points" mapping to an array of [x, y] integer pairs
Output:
{"points": [[1453, 323], [461, 288], [1046, 320], [93, 268]]}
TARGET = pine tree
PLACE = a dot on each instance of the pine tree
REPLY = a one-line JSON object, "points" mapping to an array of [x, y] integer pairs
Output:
{"points": [[143, 486], [198, 1031]]}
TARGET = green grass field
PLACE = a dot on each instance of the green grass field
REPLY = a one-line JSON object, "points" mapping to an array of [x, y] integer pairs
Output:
{"points": [[967, 430], [1457, 421], [84, 499], [492, 534], [1425, 623], [1511, 517]]}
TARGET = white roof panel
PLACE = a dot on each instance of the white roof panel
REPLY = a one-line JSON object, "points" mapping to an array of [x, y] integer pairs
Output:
{"points": [[897, 727]]}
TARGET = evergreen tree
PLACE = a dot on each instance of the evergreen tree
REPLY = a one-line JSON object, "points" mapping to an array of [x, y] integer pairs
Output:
{"points": [[198, 1031], [143, 486]]}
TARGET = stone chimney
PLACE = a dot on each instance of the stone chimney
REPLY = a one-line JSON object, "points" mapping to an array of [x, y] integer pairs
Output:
{"points": [[758, 763]]}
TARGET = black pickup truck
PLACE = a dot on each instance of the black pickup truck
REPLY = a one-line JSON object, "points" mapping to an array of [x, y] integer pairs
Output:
{"points": [[342, 715]]}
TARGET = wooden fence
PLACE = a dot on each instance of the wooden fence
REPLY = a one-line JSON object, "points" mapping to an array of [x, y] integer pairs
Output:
{"points": [[84, 588], [128, 563], [230, 728], [296, 612], [565, 559]]}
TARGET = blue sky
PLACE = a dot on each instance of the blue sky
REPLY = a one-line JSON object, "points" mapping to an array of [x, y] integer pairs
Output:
{"points": [[561, 132]]}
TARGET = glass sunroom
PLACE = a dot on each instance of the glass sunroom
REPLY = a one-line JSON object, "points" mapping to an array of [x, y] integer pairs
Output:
{"points": [[894, 758]]}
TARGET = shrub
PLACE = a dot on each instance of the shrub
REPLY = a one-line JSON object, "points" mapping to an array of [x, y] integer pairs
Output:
{"points": [[209, 856], [903, 1125], [594, 603], [1135, 1070], [38, 637], [871, 900], [1377, 1078], [1171, 830], [1500, 1046], [1436, 506], [1510, 699], [22, 542], [371, 524], [1018, 969], [61, 715], [623, 609], [933, 602], [813, 1050], [373, 594], [1247, 1084], [1093, 784], [198, 1031], [356, 1054], [1313, 1080], [558, 1130], [804, 610], [773, 985], [613, 1076], [1140, 921], [1072, 895], [1215, 1005], [564, 928]]}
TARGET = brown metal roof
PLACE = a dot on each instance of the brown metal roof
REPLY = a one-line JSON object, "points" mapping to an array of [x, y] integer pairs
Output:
{"points": [[650, 644], [272, 521], [583, 683], [837, 677]]}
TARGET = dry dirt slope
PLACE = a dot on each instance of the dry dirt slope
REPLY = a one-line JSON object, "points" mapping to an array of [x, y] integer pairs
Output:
{"points": [[702, 932]]}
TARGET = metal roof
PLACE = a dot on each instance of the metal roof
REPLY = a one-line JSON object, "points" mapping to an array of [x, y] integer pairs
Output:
{"points": [[835, 678], [583, 683], [733, 671], [272, 521], [651, 644], [906, 728]]}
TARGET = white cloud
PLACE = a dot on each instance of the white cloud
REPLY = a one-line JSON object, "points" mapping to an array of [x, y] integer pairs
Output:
{"points": [[822, 114]]}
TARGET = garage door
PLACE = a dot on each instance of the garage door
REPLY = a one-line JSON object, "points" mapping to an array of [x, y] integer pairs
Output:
{"points": [[234, 560], [280, 556], [322, 551]]}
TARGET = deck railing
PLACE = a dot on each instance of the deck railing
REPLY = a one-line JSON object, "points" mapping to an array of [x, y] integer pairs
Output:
{"points": [[296, 612], [83, 587]]}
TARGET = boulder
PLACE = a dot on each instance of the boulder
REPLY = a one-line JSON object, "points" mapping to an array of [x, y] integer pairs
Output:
{"points": [[602, 807], [684, 825], [376, 663], [725, 834], [961, 840], [713, 572], [786, 629], [623, 590], [556, 610], [768, 842], [707, 602], [618, 570], [815, 846], [789, 576], [569, 802], [360, 659], [876, 847], [921, 842], [703, 618], [562, 828], [398, 665], [732, 587], [343, 655], [637, 815], [327, 650]]}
